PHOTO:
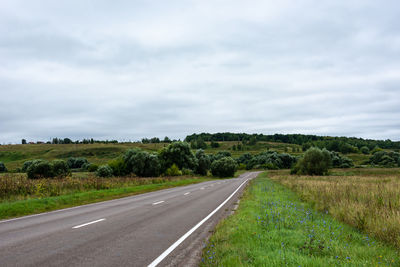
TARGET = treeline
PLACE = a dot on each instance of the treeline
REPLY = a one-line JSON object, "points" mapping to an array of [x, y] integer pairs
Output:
{"points": [[338, 144], [57, 141]]}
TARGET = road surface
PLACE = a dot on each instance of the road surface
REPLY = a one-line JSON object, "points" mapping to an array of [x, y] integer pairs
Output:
{"points": [[140, 230]]}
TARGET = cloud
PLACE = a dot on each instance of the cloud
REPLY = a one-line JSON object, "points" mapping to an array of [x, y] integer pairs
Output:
{"points": [[150, 68]]}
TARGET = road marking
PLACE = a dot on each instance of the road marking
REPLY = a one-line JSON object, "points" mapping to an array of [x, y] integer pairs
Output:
{"points": [[212, 185], [180, 240], [159, 202], [202, 188], [187, 193], [81, 225]]}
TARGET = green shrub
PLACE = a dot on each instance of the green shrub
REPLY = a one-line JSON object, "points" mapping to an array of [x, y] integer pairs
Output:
{"points": [[314, 162], [40, 169], [203, 162], [104, 171], [92, 167], [2, 167], [214, 144], [142, 163], [178, 153], [173, 171], [224, 167], [60, 168], [76, 163], [364, 150], [26, 165], [241, 166], [118, 166]]}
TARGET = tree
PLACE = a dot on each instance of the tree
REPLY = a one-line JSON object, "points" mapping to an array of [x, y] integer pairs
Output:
{"points": [[104, 171], [2, 167], [214, 144], [40, 169], [167, 140], [364, 150], [314, 162], [178, 153], [23, 141], [60, 168], [203, 162], [142, 163], [224, 167]]}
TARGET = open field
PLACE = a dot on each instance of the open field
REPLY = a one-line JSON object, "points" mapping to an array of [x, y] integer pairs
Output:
{"points": [[273, 227], [367, 199]]}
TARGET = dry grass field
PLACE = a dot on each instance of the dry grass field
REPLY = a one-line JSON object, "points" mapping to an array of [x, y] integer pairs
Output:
{"points": [[368, 199]]}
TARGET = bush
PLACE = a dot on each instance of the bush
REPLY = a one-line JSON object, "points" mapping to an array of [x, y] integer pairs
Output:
{"points": [[118, 166], [104, 171], [178, 153], [76, 163], [314, 162], [40, 169], [224, 167], [385, 159], [60, 168], [173, 171], [2, 167], [339, 161], [364, 150], [26, 165], [203, 162], [222, 154], [92, 167], [142, 163], [214, 144]]}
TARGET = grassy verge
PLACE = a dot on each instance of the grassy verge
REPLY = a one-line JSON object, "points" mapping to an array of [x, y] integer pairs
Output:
{"points": [[367, 199], [38, 205], [272, 227]]}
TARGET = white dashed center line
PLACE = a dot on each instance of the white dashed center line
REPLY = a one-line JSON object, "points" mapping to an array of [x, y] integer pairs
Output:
{"points": [[159, 202], [82, 225], [187, 193], [202, 188]]}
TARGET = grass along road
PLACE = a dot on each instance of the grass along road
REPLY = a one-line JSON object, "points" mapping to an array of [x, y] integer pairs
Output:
{"points": [[118, 188], [367, 199], [273, 227]]}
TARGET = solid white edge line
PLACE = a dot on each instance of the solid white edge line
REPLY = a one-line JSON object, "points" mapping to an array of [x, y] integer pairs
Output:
{"points": [[180, 240], [159, 202], [81, 225]]}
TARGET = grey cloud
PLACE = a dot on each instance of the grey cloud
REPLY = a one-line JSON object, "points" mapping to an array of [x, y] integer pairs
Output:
{"points": [[140, 68]]}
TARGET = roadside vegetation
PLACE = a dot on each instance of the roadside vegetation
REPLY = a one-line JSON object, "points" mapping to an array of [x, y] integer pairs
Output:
{"points": [[22, 196], [274, 227], [367, 199]]}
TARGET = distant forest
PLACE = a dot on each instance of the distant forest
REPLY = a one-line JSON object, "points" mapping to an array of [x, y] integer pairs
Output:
{"points": [[339, 144]]}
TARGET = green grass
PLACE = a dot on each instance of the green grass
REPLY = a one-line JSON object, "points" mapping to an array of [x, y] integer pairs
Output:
{"points": [[38, 205], [272, 227]]}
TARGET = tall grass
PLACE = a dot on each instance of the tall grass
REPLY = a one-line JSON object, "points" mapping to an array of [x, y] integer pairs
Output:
{"points": [[368, 199], [272, 227], [18, 186]]}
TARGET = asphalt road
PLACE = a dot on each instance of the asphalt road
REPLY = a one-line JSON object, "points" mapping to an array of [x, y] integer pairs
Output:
{"points": [[132, 231]]}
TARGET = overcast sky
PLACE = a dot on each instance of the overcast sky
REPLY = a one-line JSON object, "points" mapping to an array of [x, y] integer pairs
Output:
{"points": [[131, 69]]}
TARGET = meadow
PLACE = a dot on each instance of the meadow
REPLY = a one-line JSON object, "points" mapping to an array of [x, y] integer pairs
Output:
{"points": [[22, 196], [367, 199], [274, 227]]}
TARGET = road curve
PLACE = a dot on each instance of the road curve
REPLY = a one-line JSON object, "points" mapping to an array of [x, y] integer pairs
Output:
{"points": [[133, 231]]}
